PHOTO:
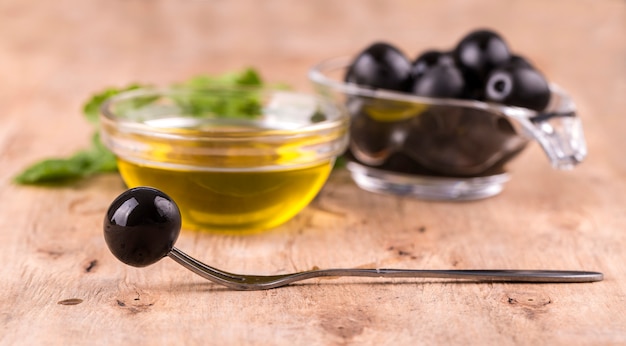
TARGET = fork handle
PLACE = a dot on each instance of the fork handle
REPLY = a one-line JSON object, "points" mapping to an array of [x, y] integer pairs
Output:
{"points": [[533, 276], [262, 282]]}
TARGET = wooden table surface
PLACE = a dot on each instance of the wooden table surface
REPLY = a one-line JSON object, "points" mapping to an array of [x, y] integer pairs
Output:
{"points": [[60, 285]]}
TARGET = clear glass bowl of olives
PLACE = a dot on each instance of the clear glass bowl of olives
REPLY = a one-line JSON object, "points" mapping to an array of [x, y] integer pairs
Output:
{"points": [[444, 125]]}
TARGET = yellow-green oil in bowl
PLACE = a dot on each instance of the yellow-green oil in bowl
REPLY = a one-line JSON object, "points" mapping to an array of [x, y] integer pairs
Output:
{"points": [[233, 174], [234, 201]]}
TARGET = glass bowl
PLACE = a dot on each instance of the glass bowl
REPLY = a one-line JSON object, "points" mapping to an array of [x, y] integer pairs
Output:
{"points": [[232, 159], [443, 149]]}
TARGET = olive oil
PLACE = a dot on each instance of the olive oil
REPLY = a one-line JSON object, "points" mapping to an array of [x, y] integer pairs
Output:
{"points": [[225, 177], [227, 172], [232, 201]]}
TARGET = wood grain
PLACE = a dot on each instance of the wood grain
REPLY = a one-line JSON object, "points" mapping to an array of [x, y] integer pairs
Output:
{"points": [[60, 285]]}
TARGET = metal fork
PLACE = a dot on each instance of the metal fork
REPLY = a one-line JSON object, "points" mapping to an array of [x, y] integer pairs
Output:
{"points": [[263, 282]]}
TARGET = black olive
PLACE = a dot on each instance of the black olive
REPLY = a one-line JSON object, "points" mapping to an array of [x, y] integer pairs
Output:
{"points": [[481, 50], [458, 141], [519, 61], [380, 66], [427, 60], [141, 226], [442, 80], [370, 139], [517, 85], [478, 53]]}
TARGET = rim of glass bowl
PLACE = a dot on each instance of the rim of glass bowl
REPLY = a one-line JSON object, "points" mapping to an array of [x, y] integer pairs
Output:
{"points": [[135, 141], [320, 74]]}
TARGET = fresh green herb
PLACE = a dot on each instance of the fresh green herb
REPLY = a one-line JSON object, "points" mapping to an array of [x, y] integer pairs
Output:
{"points": [[84, 163], [91, 109], [340, 162], [98, 159], [95, 159], [224, 103], [242, 101], [246, 78]]}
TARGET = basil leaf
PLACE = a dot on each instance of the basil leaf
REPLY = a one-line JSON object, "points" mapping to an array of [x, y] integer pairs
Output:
{"points": [[84, 163], [239, 102], [99, 159], [91, 109]]}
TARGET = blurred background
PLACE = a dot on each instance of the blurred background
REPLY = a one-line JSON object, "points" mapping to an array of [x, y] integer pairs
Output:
{"points": [[55, 54]]}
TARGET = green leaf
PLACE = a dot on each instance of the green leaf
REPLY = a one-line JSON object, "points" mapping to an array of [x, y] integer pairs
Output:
{"points": [[102, 160], [340, 162], [249, 77], [50, 170], [246, 78], [93, 160], [84, 163], [236, 103], [99, 159], [91, 109]]}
